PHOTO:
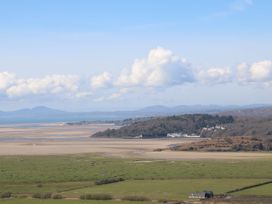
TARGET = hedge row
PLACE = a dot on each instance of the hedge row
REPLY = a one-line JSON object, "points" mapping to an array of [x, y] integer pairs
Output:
{"points": [[108, 181]]}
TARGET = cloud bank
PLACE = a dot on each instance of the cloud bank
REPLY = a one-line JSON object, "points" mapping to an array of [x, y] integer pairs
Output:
{"points": [[51, 84], [257, 73], [161, 68], [6, 79]]}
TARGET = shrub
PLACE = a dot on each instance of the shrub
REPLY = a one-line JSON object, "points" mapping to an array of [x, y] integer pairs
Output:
{"points": [[163, 201], [39, 185], [57, 196], [96, 197], [158, 150], [108, 181], [135, 198], [6, 195], [42, 195]]}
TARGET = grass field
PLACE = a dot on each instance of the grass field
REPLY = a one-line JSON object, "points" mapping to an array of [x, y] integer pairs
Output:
{"points": [[260, 191], [34, 201], [166, 189], [74, 175], [31, 169]]}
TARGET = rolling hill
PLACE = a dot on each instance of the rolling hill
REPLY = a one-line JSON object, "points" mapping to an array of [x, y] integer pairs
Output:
{"points": [[190, 124], [256, 122]]}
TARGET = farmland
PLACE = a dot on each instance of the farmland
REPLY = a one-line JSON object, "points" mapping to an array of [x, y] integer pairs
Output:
{"points": [[70, 167], [75, 175], [167, 189], [28, 201]]}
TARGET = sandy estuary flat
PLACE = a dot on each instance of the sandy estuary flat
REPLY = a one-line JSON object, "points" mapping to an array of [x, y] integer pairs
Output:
{"points": [[51, 139], [119, 148]]}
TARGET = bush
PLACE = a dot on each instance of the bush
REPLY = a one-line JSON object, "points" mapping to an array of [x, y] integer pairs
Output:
{"points": [[39, 185], [96, 197], [163, 201], [108, 181], [42, 195], [57, 196], [135, 198], [6, 195], [158, 150]]}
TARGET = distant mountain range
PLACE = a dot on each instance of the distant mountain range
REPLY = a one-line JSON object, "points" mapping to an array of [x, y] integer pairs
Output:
{"points": [[45, 114]]}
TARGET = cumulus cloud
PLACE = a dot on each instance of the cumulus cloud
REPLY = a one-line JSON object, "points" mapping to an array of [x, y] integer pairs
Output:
{"points": [[161, 68], [101, 81], [215, 75], [51, 84], [259, 73], [6, 79]]}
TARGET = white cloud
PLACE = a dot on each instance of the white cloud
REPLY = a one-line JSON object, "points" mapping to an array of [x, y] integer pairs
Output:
{"points": [[6, 79], [259, 73], [101, 81], [51, 84], [215, 75], [161, 68]]}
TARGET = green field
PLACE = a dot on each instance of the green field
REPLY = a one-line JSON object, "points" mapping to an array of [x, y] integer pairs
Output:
{"points": [[166, 189], [74, 175], [260, 191], [31, 169], [33, 201]]}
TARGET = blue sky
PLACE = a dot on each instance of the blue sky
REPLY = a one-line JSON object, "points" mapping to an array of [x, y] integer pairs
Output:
{"points": [[106, 55]]}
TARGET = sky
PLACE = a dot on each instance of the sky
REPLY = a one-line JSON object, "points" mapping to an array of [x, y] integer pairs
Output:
{"points": [[89, 55]]}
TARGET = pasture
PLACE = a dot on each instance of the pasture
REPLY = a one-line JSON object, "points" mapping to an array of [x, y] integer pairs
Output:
{"points": [[90, 167], [75, 175], [32, 201]]}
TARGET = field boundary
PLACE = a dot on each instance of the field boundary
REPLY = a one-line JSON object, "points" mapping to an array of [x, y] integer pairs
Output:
{"points": [[249, 187]]}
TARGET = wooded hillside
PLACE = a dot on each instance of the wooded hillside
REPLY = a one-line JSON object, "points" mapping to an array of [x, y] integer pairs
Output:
{"points": [[161, 126]]}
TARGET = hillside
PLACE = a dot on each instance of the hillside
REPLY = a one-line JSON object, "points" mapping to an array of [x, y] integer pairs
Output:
{"points": [[249, 122], [255, 122], [244, 126], [190, 124]]}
